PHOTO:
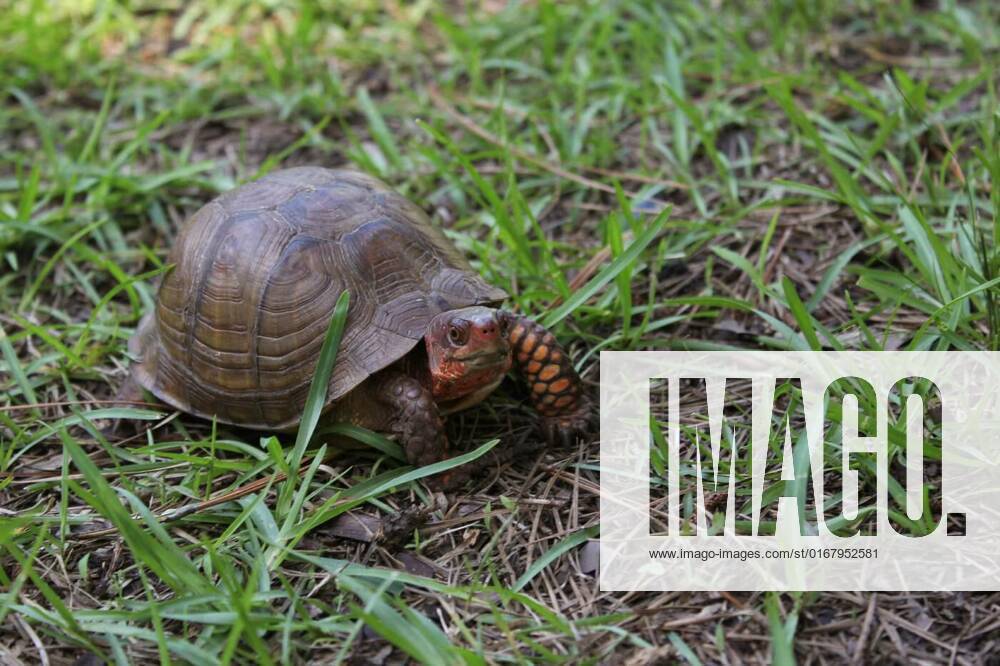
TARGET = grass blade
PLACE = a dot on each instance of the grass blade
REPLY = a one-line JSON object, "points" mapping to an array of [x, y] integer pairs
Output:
{"points": [[782, 632], [316, 401], [564, 546], [610, 272]]}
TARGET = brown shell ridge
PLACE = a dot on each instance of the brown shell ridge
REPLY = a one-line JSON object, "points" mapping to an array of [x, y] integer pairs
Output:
{"points": [[191, 314], [254, 332], [213, 350], [263, 310]]}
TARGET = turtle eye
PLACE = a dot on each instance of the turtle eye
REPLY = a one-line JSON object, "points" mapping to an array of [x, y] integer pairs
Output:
{"points": [[458, 335]]}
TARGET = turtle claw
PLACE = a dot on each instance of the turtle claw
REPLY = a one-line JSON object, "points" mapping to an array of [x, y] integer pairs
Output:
{"points": [[457, 477], [565, 429]]}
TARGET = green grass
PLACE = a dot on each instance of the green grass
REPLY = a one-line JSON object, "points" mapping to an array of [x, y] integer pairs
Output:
{"points": [[788, 176]]}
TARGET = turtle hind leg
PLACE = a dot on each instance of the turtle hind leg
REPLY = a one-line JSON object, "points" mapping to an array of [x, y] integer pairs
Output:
{"points": [[556, 388], [129, 393]]}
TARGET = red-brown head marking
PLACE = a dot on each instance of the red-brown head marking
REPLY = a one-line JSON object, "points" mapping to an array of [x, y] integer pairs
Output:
{"points": [[468, 350]]}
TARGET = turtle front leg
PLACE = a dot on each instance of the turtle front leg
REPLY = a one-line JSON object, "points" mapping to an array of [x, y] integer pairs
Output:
{"points": [[556, 388], [414, 418], [418, 426]]}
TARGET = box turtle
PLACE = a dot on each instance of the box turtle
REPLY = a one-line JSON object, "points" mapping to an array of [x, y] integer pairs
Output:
{"points": [[241, 316]]}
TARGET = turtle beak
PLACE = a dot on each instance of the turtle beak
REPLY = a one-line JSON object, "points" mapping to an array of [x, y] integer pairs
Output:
{"points": [[488, 342]]}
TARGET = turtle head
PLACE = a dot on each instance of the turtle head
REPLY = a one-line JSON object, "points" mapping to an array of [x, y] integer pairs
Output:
{"points": [[468, 352]]}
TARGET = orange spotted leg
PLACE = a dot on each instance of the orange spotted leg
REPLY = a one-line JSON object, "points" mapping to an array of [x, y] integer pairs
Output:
{"points": [[556, 388]]}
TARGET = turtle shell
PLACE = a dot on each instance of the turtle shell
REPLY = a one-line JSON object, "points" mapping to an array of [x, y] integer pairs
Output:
{"points": [[241, 316]]}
